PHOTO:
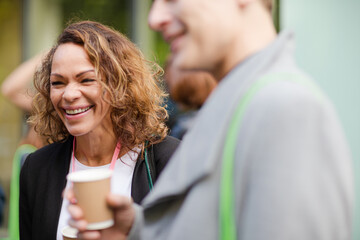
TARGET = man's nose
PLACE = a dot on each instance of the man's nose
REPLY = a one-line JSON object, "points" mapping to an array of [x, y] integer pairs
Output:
{"points": [[159, 15]]}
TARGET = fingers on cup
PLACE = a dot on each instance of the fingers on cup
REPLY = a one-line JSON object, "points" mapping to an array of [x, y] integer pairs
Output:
{"points": [[89, 235], [75, 212], [70, 195], [78, 224], [117, 201]]}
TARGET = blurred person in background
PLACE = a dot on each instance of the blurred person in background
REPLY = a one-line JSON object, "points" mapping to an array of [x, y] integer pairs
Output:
{"points": [[18, 89], [17, 86], [266, 157], [100, 103], [2, 204], [189, 90]]}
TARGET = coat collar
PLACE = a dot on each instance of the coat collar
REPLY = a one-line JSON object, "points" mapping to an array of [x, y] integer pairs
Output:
{"points": [[201, 148]]}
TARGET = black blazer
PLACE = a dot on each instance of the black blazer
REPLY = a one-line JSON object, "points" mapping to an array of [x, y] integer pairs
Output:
{"points": [[43, 178]]}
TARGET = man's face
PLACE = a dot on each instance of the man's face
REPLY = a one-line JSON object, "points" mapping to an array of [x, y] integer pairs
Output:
{"points": [[200, 32]]}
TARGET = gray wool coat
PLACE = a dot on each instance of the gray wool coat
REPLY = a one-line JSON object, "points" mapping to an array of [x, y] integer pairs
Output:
{"points": [[293, 171]]}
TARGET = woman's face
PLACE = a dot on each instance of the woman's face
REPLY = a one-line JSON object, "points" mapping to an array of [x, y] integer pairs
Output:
{"points": [[76, 94]]}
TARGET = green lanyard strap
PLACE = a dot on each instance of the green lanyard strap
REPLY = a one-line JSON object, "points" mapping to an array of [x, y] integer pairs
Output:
{"points": [[150, 180], [227, 211]]}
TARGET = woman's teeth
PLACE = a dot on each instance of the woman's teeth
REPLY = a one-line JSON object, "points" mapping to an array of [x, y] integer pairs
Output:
{"points": [[76, 111]]}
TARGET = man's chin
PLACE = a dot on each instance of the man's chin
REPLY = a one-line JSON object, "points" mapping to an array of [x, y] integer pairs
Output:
{"points": [[182, 63]]}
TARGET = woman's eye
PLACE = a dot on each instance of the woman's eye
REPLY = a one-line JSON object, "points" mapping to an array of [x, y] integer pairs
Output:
{"points": [[87, 80], [55, 83]]}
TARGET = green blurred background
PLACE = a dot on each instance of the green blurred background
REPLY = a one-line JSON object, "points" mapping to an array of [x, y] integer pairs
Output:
{"points": [[328, 47]]}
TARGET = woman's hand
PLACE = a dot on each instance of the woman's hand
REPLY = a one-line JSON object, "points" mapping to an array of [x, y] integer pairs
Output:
{"points": [[124, 215]]}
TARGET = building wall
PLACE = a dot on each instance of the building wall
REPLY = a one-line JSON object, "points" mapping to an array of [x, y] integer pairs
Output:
{"points": [[328, 37]]}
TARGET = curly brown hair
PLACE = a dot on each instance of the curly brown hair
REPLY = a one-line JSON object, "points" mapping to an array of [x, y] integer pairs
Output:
{"points": [[133, 84], [188, 88]]}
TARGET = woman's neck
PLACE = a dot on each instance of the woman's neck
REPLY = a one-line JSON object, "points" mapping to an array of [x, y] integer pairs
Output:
{"points": [[95, 150]]}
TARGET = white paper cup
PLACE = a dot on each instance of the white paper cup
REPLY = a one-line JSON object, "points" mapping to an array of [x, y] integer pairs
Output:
{"points": [[91, 188], [69, 233]]}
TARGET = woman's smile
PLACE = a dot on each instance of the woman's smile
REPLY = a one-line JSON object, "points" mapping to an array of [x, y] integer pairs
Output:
{"points": [[76, 111]]}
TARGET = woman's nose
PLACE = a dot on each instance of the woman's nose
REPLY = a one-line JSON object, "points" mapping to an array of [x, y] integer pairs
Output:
{"points": [[71, 92]]}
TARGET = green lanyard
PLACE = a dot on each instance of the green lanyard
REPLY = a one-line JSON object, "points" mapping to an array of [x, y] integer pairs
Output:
{"points": [[150, 180], [227, 209]]}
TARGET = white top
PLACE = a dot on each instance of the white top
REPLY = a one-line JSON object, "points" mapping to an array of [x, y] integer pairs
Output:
{"points": [[120, 182]]}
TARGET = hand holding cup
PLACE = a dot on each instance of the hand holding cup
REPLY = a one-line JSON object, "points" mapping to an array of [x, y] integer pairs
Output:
{"points": [[91, 188]]}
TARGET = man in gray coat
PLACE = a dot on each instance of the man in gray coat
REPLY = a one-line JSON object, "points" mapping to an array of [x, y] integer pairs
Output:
{"points": [[266, 158]]}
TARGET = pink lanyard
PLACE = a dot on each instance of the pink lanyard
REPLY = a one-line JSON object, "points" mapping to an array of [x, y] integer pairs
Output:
{"points": [[113, 160]]}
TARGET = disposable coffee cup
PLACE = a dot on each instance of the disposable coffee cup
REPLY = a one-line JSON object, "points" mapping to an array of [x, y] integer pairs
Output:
{"points": [[69, 233], [91, 188]]}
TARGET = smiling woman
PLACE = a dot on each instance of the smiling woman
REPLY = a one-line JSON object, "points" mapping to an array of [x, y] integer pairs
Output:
{"points": [[96, 93]]}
